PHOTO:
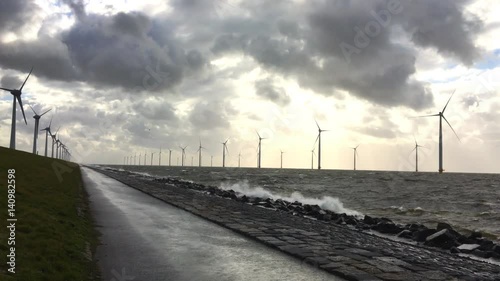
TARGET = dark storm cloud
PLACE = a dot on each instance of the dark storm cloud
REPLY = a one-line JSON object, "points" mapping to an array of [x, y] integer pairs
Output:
{"points": [[209, 115], [155, 109], [110, 51], [11, 82], [266, 89], [135, 24], [49, 57], [14, 14], [443, 25], [136, 52], [382, 71], [77, 6]]}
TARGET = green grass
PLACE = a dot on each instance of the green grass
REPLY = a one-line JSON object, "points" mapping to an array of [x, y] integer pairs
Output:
{"points": [[54, 230]]}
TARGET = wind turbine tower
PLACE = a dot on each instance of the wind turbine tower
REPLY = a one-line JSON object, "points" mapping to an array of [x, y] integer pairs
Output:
{"points": [[260, 150], [441, 117], [183, 155], [416, 154], [318, 139], [47, 132], [355, 151], [224, 149], [16, 96], [37, 122]]}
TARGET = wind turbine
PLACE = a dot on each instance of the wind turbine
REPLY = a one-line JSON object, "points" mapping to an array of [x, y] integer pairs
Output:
{"points": [[211, 160], [37, 122], [224, 149], [416, 154], [183, 155], [355, 151], [281, 166], [135, 157], [152, 154], [47, 132], [441, 117], [192, 158], [260, 149], [54, 140], [145, 157], [169, 156], [16, 95], [140, 155], [159, 157], [199, 154], [239, 160], [312, 159], [318, 139]]}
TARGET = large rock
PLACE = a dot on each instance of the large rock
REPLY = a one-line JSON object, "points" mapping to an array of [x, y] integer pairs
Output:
{"points": [[443, 239], [387, 227], [467, 248], [421, 235]]}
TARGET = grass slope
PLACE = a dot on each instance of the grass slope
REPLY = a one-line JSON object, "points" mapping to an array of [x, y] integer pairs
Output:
{"points": [[54, 231]]}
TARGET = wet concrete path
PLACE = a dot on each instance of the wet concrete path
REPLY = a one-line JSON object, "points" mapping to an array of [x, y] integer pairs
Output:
{"points": [[143, 238]]}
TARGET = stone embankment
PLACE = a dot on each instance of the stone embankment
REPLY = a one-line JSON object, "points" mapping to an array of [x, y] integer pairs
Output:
{"points": [[333, 242]]}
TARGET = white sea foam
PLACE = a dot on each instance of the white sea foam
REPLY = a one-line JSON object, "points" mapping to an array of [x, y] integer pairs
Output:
{"points": [[326, 202]]}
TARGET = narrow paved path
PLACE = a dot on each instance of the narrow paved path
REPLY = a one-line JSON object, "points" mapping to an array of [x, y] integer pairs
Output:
{"points": [[145, 239], [344, 252]]}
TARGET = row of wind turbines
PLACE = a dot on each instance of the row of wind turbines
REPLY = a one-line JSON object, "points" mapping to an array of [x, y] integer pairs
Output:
{"points": [[61, 150], [131, 160]]}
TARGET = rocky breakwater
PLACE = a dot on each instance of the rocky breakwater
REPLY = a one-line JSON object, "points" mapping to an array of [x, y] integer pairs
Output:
{"points": [[443, 236]]}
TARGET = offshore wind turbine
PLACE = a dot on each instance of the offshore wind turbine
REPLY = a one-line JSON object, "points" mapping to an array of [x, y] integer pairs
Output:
{"points": [[355, 151], [416, 154], [199, 154], [318, 139], [37, 122], [211, 160], [47, 132], [281, 158], [183, 155], [260, 149], [159, 157], [239, 160], [224, 149], [441, 117], [152, 154], [169, 157], [140, 155], [312, 159], [16, 96], [145, 157]]}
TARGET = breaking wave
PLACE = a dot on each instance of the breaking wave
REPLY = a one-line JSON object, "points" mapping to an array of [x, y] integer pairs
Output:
{"points": [[326, 202]]}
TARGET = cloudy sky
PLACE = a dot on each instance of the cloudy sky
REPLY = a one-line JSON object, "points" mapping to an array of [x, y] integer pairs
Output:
{"points": [[127, 77]]}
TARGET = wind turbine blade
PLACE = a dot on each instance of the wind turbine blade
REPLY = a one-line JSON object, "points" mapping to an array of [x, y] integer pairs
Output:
{"points": [[33, 110], [22, 86], [452, 128], [45, 112], [51, 121], [317, 124], [5, 89], [22, 109], [316, 141], [430, 115], [448, 101], [258, 134]]}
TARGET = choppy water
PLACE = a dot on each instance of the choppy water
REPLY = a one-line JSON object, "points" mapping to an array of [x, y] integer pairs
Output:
{"points": [[466, 201]]}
